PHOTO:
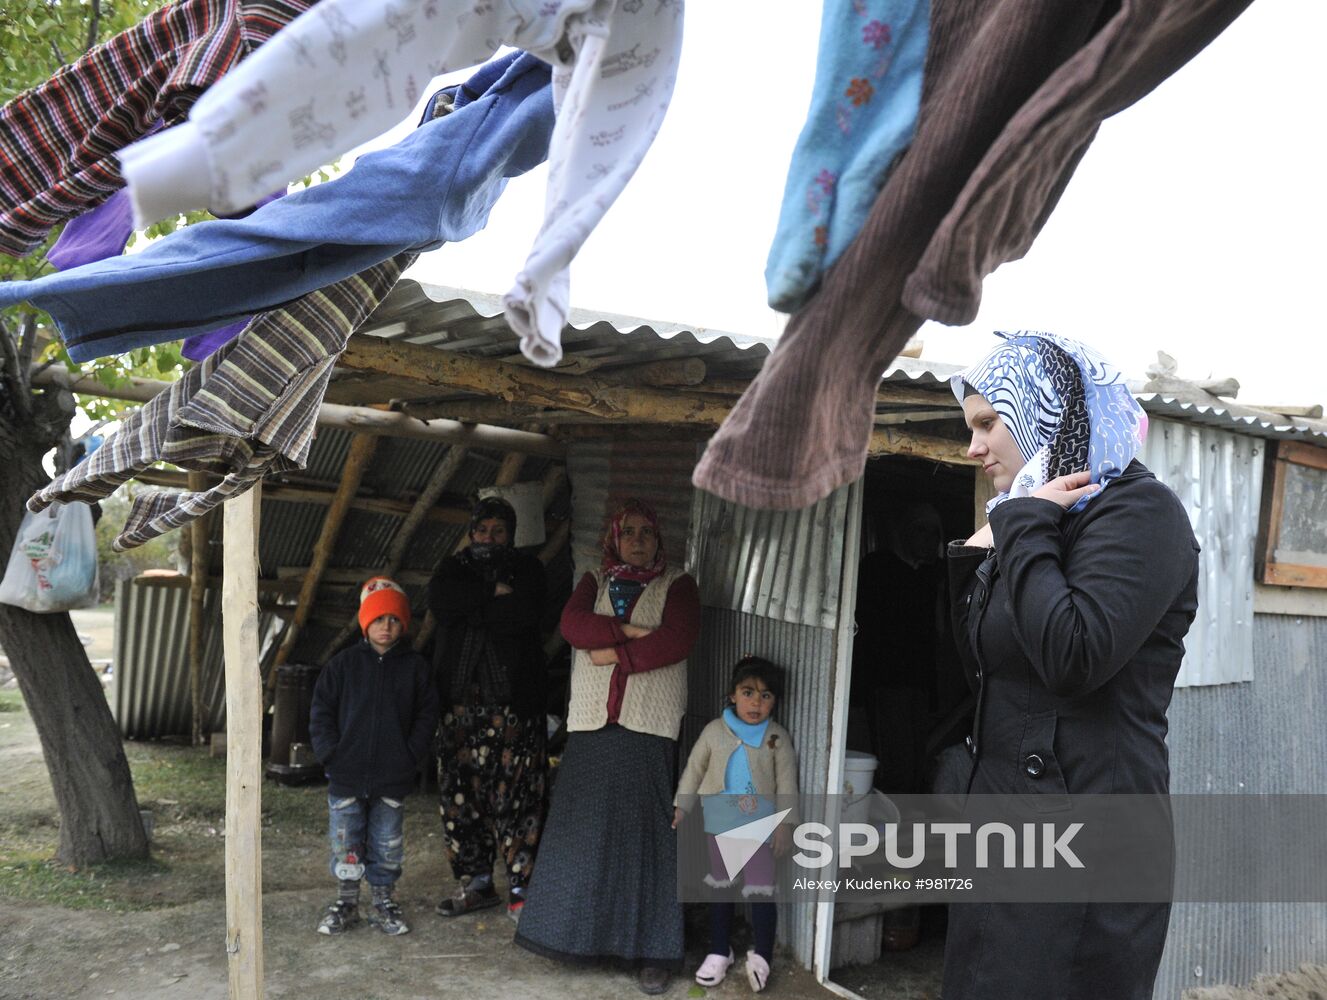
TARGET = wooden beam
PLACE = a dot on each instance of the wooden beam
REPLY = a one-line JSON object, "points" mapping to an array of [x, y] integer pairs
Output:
{"points": [[521, 384], [360, 419], [437, 484], [319, 495], [888, 441], [198, 567], [895, 417], [364, 420], [661, 374], [244, 747], [362, 449]]}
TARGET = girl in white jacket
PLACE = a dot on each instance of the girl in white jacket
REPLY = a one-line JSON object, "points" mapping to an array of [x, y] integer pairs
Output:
{"points": [[744, 768]]}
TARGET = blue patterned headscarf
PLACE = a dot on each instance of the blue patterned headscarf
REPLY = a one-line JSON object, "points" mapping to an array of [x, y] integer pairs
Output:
{"points": [[1067, 407]]}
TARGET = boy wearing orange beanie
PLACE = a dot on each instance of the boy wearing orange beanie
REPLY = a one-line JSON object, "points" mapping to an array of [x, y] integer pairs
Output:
{"points": [[371, 724]]}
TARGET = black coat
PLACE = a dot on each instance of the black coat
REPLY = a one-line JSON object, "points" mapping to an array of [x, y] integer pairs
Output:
{"points": [[461, 599], [372, 720], [1073, 633]]}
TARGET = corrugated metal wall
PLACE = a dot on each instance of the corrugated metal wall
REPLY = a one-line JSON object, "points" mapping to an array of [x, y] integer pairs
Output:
{"points": [[766, 572], [602, 473], [1259, 738], [1218, 476], [807, 653], [151, 659], [784, 565]]}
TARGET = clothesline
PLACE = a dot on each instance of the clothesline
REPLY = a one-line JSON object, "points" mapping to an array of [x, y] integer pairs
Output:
{"points": [[938, 142]]}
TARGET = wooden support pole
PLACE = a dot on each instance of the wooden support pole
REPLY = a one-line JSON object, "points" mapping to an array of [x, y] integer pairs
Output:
{"points": [[244, 746], [433, 489], [198, 568], [361, 453]]}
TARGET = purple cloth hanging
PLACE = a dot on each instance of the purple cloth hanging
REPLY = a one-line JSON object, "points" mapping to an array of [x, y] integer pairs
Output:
{"points": [[95, 235]]}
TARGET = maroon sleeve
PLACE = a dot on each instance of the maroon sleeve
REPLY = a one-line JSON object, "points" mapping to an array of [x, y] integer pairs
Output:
{"points": [[671, 641], [581, 627]]}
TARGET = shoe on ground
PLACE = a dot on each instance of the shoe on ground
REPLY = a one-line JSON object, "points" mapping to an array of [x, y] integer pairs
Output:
{"points": [[386, 915], [654, 979], [515, 904], [339, 918], [467, 901], [757, 972], [713, 970]]}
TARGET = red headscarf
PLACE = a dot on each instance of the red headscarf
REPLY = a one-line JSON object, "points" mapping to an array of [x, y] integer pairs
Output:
{"points": [[613, 564]]}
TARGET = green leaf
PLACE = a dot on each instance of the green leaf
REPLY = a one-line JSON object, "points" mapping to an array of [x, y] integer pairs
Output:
{"points": [[696, 991]]}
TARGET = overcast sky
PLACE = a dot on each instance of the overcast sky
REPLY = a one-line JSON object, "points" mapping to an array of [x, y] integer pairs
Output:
{"points": [[1195, 223]]}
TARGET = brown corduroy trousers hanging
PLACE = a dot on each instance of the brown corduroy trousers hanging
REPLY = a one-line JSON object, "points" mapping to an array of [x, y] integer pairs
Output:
{"points": [[1014, 92]]}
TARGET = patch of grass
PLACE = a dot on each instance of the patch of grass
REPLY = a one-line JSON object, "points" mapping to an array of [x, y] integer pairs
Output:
{"points": [[25, 875], [12, 701]]}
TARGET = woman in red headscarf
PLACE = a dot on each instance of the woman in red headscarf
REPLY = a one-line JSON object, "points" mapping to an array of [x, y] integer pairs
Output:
{"points": [[606, 884]]}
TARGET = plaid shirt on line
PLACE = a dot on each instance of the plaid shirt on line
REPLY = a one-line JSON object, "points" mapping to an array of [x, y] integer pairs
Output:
{"points": [[58, 140], [248, 410]]}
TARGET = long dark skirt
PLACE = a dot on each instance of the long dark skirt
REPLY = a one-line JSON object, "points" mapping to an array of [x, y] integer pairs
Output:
{"points": [[606, 883]]}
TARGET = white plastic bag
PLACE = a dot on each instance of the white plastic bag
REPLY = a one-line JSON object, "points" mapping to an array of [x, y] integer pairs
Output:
{"points": [[53, 565]]}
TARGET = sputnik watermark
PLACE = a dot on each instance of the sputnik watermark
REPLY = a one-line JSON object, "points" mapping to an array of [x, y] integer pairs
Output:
{"points": [[862, 840]]}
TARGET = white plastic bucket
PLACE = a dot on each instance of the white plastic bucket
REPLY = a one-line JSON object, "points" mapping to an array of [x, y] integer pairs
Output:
{"points": [[858, 779]]}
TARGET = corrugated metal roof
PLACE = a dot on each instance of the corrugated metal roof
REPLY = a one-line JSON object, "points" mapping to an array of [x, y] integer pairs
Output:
{"points": [[1216, 416]]}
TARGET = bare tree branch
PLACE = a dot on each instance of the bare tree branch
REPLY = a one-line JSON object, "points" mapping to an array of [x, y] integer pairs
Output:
{"points": [[94, 25]]}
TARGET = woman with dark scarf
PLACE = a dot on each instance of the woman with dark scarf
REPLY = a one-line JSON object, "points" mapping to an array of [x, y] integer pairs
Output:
{"points": [[1070, 608], [607, 882], [489, 664]]}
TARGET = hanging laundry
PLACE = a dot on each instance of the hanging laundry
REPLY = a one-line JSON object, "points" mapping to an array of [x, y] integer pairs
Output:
{"points": [[103, 232], [346, 70], [1014, 93], [246, 411], [59, 140], [864, 105], [438, 184]]}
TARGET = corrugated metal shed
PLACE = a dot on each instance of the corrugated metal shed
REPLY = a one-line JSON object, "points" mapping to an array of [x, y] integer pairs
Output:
{"points": [[1218, 477], [151, 694], [602, 473], [784, 565], [1259, 738]]}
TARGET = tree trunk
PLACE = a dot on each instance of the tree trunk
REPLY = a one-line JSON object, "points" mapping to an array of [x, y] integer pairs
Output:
{"points": [[94, 791]]}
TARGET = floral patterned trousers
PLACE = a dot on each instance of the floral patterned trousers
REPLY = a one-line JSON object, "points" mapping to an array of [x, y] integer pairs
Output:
{"points": [[491, 769]]}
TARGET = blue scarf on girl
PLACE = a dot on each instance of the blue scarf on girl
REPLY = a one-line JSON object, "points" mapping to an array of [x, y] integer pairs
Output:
{"points": [[1067, 407], [739, 803]]}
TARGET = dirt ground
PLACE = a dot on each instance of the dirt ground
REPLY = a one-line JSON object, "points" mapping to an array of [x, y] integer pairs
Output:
{"points": [[156, 930]]}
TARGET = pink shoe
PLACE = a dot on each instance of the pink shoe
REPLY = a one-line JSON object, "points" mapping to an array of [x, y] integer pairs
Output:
{"points": [[757, 971], [713, 969]]}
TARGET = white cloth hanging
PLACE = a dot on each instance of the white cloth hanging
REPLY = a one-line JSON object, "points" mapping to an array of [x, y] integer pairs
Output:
{"points": [[337, 74]]}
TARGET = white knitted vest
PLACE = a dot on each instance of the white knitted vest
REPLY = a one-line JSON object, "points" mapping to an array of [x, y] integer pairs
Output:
{"points": [[654, 701]]}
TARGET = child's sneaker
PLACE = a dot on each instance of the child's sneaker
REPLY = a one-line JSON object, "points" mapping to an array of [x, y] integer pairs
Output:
{"points": [[386, 915], [340, 917], [757, 971]]}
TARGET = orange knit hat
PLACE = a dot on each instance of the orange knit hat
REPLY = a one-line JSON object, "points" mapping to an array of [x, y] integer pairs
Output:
{"points": [[382, 596]]}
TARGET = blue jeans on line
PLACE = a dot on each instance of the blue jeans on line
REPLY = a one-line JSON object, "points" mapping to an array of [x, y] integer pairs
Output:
{"points": [[382, 850]]}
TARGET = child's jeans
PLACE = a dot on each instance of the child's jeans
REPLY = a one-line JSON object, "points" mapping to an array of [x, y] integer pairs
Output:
{"points": [[367, 833]]}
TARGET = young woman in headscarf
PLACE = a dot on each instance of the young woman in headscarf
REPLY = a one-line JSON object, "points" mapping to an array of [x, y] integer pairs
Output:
{"points": [[1070, 609], [606, 888]]}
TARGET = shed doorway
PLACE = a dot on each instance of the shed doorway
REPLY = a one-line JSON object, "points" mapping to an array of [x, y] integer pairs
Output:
{"points": [[907, 698]]}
